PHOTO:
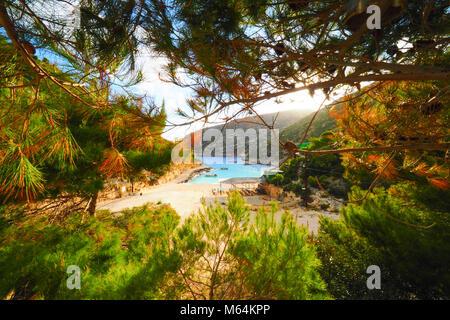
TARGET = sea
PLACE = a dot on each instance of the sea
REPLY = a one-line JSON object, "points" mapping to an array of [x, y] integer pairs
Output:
{"points": [[228, 167]]}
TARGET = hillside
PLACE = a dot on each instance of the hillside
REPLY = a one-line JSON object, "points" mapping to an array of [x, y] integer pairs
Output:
{"points": [[292, 125], [281, 120], [295, 132]]}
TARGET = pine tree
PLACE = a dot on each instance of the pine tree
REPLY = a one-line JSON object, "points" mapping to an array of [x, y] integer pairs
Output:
{"points": [[244, 52], [49, 109], [52, 145], [405, 238], [119, 258], [227, 253], [388, 117]]}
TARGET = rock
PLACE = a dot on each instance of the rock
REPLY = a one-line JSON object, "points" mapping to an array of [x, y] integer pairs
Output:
{"points": [[271, 190]]}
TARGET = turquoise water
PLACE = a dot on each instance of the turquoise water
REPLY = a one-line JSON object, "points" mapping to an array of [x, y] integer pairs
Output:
{"points": [[236, 168]]}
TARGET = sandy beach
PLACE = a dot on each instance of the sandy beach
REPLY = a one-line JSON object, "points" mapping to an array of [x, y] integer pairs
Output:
{"points": [[183, 197], [186, 199]]}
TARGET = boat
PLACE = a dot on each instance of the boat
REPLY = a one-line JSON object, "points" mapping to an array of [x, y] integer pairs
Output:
{"points": [[211, 175], [223, 168]]}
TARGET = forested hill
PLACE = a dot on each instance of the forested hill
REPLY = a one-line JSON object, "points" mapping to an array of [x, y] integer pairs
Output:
{"points": [[295, 132], [281, 120], [292, 124]]}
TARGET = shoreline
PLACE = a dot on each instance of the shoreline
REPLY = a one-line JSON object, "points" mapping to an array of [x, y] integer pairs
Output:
{"points": [[195, 173], [187, 198]]}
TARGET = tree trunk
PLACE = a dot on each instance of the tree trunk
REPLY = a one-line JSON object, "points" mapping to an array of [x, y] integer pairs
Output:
{"points": [[93, 204], [305, 181]]}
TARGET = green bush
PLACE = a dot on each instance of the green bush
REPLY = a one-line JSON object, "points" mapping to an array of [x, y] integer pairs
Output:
{"points": [[277, 179], [218, 253], [323, 178], [120, 258], [278, 261], [312, 182], [337, 187], [229, 254], [414, 261], [329, 167]]}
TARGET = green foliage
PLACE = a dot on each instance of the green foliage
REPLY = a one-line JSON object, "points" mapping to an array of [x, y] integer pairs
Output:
{"points": [[295, 132], [127, 257], [324, 165], [300, 190], [277, 179], [218, 253], [278, 260], [52, 143], [92, 168], [413, 261], [205, 240], [328, 168], [312, 182], [290, 170], [150, 161], [435, 199], [228, 254]]}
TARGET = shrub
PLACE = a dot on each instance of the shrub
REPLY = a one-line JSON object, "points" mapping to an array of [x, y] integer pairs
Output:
{"points": [[230, 255], [338, 188], [323, 179], [120, 258], [218, 253], [312, 182], [414, 261], [277, 179], [290, 169]]}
